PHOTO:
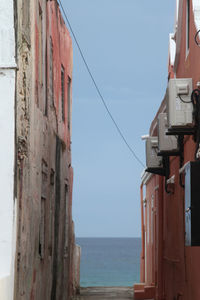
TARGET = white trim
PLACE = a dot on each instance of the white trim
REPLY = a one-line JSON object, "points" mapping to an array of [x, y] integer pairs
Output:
{"points": [[172, 49], [188, 23], [8, 67], [171, 180], [182, 170], [176, 19], [178, 33], [145, 177]]}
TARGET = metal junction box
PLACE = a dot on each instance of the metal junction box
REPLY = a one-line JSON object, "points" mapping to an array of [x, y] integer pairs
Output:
{"points": [[167, 144], [192, 204], [179, 106], [152, 159]]}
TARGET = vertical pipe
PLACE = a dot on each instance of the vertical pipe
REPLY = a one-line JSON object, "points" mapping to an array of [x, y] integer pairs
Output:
{"points": [[160, 290], [142, 265]]}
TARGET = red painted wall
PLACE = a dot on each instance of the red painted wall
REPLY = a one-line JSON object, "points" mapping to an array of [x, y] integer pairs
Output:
{"points": [[62, 56], [171, 267]]}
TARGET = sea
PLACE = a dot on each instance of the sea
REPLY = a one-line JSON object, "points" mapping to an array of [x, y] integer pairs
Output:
{"points": [[109, 261]]}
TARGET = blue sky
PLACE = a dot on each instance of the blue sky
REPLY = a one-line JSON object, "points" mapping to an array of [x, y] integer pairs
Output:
{"points": [[126, 46]]}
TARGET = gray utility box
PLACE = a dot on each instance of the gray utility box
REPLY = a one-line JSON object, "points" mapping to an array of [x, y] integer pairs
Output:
{"points": [[179, 106], [167, 144], [192, 204], [152, 158]]}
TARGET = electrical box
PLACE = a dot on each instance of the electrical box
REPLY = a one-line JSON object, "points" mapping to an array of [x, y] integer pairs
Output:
{"points": [[152, 159], [179, 105], [167, 144], [192, 204]]}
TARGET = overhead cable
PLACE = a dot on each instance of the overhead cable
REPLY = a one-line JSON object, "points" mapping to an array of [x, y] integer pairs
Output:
{"points": [[97, 88]]}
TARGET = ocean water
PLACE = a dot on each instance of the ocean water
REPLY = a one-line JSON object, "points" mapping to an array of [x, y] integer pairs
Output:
{"points": [[110, 261]]}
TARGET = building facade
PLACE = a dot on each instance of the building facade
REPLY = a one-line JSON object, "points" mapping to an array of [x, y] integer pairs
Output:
{"points": [[37, 248], [170, 257]]}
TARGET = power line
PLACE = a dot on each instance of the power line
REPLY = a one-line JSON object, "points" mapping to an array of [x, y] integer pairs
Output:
{"points": [[97, 88]]}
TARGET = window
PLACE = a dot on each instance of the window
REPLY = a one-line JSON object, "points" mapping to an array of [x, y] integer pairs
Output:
{"points": [[44, 189], [66, 226], [63, 92], [51, 212], [46, 96], [52, 177], [40, 60], [40, 46], [187, 26], [49, 78], [69, 101], [44, 183], [57, 213], [51, 82], [42, 229]]}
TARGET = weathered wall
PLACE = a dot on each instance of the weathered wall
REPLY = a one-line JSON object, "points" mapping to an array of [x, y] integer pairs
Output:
{"points": [[44, 175]]}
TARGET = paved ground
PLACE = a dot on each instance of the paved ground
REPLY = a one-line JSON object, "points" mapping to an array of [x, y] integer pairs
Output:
{"points": [[106, 293]]}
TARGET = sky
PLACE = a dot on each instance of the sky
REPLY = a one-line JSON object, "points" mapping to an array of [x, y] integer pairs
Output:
{"points": [[125, 43]]}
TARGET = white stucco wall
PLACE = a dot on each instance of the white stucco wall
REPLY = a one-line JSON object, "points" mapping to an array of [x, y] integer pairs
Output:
{"points": [[7, 149], [7, 281], [7, 36], [7, 94]]}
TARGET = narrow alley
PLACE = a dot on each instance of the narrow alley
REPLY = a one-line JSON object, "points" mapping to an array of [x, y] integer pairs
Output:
{"points": [[85, 203]]}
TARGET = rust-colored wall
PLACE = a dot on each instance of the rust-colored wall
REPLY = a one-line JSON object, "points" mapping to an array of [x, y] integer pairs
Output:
{"points": [[171, 267], [44, 175]]}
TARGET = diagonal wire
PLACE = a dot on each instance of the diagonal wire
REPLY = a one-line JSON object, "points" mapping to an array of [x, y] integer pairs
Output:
{"points": [[97, 88]]}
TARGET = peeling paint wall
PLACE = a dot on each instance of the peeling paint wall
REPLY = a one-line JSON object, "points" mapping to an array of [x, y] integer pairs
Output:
{"points": [[44, 176]]}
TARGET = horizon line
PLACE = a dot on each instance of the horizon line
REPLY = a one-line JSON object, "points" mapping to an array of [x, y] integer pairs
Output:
{"points": [[109, 237]]}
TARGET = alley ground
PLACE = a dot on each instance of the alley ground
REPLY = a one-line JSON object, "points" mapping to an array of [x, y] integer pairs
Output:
{"points": [[106, 293]]}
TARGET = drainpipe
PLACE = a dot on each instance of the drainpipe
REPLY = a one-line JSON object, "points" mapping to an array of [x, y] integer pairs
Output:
{"points": [[142, 266], [160, 289]]}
